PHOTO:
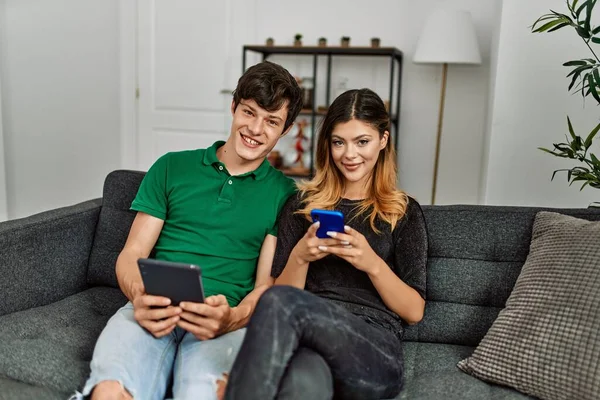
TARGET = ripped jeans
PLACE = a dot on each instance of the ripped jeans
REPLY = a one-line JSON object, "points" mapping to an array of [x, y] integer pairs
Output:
{"points": [[149, 368], [291, 327]]}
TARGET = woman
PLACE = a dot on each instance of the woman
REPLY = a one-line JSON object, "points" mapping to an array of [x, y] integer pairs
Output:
{"points": [[333, 324]]}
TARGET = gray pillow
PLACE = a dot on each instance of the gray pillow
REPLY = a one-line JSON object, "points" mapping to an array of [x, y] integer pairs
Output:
{"points": [[546, 341]]}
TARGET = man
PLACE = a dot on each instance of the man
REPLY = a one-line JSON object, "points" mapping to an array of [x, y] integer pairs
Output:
{"points": [[214, 207]]}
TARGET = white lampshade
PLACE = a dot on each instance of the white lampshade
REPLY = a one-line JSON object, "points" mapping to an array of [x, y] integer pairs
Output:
{"points": [[448, 37]]}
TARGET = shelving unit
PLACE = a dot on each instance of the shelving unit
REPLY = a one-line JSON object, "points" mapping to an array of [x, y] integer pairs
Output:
{"points": [[395, 71]]}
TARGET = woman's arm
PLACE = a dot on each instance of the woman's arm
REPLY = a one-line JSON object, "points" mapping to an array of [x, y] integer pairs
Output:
{"points": [[297, 247], [397, 295], [405, 296]]}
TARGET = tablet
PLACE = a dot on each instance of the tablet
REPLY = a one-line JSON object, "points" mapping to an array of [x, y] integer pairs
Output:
{"points": [[177, 281]]}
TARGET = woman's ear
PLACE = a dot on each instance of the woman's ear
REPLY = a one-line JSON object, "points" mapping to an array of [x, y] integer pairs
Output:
{"points": [[384, 140]]}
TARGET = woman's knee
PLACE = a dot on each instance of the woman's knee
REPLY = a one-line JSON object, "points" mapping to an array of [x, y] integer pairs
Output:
{"points": [[280, 296]]}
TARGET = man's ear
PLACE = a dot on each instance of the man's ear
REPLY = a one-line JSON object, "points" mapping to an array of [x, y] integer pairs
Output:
{"points": [[232, 107], [384, 140], [287, 130]]}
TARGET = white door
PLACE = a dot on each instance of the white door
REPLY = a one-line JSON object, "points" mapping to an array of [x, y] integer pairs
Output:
{"points": [[184, 68]]}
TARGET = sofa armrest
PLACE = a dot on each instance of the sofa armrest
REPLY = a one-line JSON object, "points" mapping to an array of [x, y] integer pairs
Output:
{"points": [[44, 257]]}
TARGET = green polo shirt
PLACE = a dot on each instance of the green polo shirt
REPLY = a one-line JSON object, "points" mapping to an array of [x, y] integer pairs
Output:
{"points": [[213, 219]]}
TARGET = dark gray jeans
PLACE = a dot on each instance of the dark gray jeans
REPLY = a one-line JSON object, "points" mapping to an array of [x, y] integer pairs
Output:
{"points": [[299, 345]]}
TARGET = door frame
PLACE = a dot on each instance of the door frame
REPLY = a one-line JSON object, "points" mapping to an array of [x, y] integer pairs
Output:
{"points": [[128, 78]]}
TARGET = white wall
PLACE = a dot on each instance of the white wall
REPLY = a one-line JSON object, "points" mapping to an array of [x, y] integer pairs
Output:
{"points": [[60, 93], [529, 108], [398, 23], [3, 206]]}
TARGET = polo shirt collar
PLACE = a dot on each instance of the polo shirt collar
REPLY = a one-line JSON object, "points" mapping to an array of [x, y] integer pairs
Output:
{"points": [[210, 158]]}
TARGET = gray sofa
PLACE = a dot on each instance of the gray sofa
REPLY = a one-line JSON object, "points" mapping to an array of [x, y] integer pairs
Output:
{"points": [[58, 290]]}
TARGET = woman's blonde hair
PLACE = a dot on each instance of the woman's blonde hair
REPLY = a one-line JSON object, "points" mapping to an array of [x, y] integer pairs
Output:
{"points": [[325, 190]]}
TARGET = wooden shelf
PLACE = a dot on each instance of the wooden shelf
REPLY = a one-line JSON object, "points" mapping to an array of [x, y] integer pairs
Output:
{"points": [[309, 112], [337, 50], [296, 172]]}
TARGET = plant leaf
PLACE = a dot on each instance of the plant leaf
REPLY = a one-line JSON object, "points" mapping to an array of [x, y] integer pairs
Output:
{"points": [[593, 88], [580, 9], [551, 24], [579, 70], [588, 18], [588, 140], [571, 130], [575, 63], [559, 26]]}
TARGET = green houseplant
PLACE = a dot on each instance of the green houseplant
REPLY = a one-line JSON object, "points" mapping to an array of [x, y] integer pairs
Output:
{"points": [[585, 78]]}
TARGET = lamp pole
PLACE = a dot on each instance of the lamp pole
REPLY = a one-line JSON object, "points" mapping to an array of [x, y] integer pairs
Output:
{"points": [[439, 132]]}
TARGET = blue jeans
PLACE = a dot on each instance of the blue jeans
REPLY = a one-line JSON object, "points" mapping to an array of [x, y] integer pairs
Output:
{"points": [[301, 346], [146, 366]]}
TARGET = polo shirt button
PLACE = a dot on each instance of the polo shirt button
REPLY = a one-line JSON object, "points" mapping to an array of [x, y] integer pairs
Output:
{"points": [[220, 168], [230, 182]]}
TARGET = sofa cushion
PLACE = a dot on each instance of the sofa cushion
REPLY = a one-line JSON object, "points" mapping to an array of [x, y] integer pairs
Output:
{"points": [[53, 345], [120, 188], [430, 373], [475, 256], [546, 342], [15, 390]]}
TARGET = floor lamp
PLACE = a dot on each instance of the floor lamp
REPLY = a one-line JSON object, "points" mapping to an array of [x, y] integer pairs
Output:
{"points": [[448, 37]]}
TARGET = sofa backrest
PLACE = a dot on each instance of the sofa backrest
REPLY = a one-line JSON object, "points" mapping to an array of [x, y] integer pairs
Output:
{"points": [[475, 256], [120, 188]]}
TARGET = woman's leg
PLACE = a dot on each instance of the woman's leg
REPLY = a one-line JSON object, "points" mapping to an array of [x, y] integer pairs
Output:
{"points": [[307, 377], [365, 361]]}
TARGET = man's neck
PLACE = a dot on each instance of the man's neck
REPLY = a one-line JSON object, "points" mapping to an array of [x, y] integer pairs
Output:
{"points": [[235, 164]]}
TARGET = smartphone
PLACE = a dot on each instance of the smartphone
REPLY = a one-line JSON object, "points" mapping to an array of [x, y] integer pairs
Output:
{"points": [[176, 281], [330, 221]]}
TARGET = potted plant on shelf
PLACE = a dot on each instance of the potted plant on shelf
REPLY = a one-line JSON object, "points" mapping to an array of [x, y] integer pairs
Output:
{"points": [[298, 40], [375, 42], [585, 78], [322, 42], [345, 41]]}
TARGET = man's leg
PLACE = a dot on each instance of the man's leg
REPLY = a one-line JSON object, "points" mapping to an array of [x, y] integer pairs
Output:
{"points": [[199, 364], [128, 357], [365, 361], [307, 377]]}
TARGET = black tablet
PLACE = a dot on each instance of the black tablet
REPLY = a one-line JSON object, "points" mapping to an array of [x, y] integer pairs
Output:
{"points": [[177, 281]]}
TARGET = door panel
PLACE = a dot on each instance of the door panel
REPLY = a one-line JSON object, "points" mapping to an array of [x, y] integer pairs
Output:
{"points": [[183, 48]]}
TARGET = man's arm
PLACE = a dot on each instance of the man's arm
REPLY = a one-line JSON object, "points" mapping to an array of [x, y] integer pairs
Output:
{"points": [[215, 317], [241, 314], [140, 242], [142, 237]]}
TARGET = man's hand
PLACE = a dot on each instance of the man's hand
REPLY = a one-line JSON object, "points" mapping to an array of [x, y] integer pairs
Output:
{"points": [[158, 321], [207, 320]]}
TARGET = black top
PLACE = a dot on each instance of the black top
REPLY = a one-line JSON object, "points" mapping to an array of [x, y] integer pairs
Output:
{"points": [[404, 249]]}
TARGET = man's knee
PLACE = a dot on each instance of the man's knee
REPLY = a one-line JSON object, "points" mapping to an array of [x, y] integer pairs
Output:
{"points": [[307, 377], [110, 390]]}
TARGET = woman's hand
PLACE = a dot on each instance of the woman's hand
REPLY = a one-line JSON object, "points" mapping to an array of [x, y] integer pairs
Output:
{"points": [[308, 249], [353, 247]]}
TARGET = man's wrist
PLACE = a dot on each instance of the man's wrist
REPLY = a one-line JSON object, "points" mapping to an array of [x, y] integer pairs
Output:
{"points": [[238, 317]]}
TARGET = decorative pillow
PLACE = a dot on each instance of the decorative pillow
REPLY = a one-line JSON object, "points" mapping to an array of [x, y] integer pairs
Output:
{"points": [[546, 341]]}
